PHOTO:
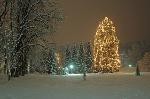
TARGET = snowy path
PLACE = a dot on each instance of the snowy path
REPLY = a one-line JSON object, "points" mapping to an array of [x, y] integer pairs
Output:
{"points": [[97, 86]]}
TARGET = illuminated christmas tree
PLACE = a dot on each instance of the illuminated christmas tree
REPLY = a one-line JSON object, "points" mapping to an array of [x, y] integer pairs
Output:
{"points": [[106, 56]]}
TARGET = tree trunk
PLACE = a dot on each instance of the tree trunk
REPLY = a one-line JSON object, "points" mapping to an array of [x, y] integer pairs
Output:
{"points": [[137, 71]]}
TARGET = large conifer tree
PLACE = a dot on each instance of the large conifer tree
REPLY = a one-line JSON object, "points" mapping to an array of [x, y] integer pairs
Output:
{"points": [[106, 56]]}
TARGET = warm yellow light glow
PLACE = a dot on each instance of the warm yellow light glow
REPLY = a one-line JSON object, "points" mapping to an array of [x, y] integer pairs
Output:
{"points": [[106, 56], [57, 57]]}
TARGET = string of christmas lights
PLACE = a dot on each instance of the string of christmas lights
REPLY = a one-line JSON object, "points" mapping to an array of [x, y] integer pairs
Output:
{"points": [[106, 44]]}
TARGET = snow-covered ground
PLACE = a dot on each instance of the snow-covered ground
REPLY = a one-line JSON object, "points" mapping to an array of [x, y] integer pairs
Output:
{"points": [[97, 86]]}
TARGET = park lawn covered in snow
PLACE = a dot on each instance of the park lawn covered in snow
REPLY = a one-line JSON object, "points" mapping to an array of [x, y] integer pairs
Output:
{"points": [[97, 86]]}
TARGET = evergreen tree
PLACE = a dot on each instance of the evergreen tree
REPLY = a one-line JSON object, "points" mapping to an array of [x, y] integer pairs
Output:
{"points": [[67, 57], [52, 62], [88, 55], [81, 58], [144, 63], [106, 54]]}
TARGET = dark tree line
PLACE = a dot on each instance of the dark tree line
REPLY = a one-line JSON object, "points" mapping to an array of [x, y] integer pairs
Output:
{"points": [[144, 63], [131, 53]]}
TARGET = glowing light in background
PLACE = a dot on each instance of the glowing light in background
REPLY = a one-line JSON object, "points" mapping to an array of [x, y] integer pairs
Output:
{"points": [[71, 66], [130, 65]]}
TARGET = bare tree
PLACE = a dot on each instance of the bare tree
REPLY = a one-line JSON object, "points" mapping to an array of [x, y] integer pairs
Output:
{"points": [[29, 20]]}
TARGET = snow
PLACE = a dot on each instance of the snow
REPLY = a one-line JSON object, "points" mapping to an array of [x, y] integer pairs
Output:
{"points": [[97, 86]]}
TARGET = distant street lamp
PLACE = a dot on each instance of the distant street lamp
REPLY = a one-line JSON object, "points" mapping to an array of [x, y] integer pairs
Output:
{"points": [[130, 65], [71, 67]]}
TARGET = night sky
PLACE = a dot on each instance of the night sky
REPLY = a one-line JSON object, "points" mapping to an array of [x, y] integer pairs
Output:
{"points": [[131, 18]]}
